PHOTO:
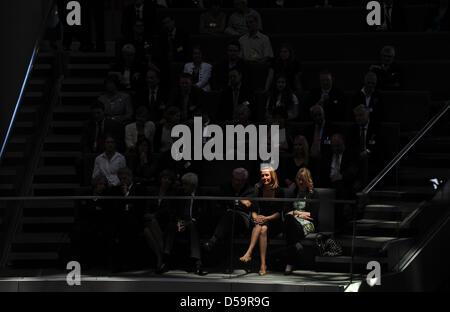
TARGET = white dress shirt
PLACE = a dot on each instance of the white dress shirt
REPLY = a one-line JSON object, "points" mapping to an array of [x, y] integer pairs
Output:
{"points": [[131, 134], [336, 164], [109, 167]]}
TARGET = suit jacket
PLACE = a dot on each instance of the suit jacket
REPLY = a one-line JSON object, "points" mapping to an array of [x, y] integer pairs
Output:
{"points": [[129, 19], [110, 127], [181, 46], [375, 104], [194, 102], [373, 144], [156, 110], [227, 190], [204, 75], [335, 107], [226, 109], [221, 70], [134, 207], [391, 79], [327, 132], [131, 135], [180, 209], [349, 169]]}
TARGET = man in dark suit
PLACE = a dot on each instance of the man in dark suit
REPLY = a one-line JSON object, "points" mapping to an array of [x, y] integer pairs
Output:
{"points": [[174, 42], [139, 10], [128, 216], [232, 60], [185, 217], [389, 73], [364, 141], [97, 127], [236, 94], [329, 97], [370, 97], [153, 95], [188, 98]]}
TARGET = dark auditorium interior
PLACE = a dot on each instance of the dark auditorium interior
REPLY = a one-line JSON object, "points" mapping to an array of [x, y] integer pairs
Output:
{"points": [[363, 113]]}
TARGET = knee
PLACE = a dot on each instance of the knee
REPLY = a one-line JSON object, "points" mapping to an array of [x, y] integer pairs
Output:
{"points": [[263, 231]]}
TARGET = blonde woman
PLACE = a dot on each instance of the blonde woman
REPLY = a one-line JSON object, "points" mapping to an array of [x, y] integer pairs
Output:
{"points": [[266, 215], [299, 216]]}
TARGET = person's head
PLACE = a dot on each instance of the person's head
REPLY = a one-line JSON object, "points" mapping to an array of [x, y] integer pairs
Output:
{"points": [[173, 115], [141, 115], [286, 52], [269, 176], [252, 23], [281, 83], [168, 23], [326, 80], [242, 113], [304, 180], [152, 78], [197, 54], [239, 179], [240, 5], [317, 114], [301, 147], [387, 55], [125, 176], [138, 3], [361, 113], [110, 144], [234, 51], [112, 84], [99, 183], [139, 27], [143, 146], [167, 177], [337, 143], [128, 53], [189, 182], [185, 82], [98, 111], [370, 82], [234, 76]]}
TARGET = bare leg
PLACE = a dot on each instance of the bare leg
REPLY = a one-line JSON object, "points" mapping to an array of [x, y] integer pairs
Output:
{"points": [[255, 235], [154, 245], [263, 249]]}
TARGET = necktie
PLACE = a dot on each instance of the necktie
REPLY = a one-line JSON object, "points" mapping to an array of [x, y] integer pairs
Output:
{"points": [[98, 139], [152, 98], [315, 150], [362, 139]]}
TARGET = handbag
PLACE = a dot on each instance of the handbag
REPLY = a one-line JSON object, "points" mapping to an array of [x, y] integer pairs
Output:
{"points": [[327, 246]]}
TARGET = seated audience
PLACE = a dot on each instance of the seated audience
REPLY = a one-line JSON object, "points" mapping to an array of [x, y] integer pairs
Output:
{"points": [[142, 10], [200, 71], [109, 162], [237, 24], [255, 46], [370, 97], [213, 20], [174, 42], [163, 138], [153, 95], [285, 64], [278, 118], [236, 94], [300, 217], [140, 129], [266, 215], [329, 97], [283, 99], [233, 60], [187, 97], [95, 129], [158, 216], [117, 104], [139, 40], [185, 216], [389, 74]]}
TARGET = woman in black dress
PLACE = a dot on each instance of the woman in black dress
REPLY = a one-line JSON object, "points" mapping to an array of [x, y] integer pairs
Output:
{"points": [[300, 216], [299, 160], [265, 215]]}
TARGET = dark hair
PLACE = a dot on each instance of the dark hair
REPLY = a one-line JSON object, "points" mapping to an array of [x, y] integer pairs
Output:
{"points": [[171, 110], [114, 79], [286, 97], [236, 68]]}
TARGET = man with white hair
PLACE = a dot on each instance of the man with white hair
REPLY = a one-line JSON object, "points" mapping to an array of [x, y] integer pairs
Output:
{"points": [[185, 215], [370, 97], [388, 72], [239, 209]]}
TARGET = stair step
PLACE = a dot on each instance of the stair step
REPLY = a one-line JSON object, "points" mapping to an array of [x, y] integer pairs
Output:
{"points": [[379, 224], [56, 170], [41, 238], [53, 204], [48, 220], [348, 259], [14, 256]]}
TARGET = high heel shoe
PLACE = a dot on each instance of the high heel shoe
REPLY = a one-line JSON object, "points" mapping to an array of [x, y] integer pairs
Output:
{"points": [[288, 271], [262, 272], [245, 259]]}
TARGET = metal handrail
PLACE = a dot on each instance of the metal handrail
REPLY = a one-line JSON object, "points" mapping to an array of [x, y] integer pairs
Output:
{"points": [[406, 149]]}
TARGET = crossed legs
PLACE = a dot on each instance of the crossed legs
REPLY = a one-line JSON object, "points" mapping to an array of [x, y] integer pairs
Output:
{"points": [[259, 232]]}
